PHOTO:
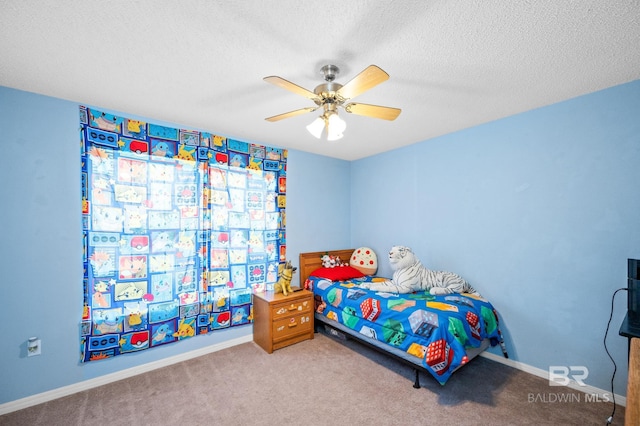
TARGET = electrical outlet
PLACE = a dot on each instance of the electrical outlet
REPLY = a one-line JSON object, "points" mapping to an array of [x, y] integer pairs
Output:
{"points": [[34, 346]]}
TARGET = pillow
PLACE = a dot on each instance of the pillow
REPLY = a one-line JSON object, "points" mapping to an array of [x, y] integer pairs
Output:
{"points": [[339, 273], [364, 260]]}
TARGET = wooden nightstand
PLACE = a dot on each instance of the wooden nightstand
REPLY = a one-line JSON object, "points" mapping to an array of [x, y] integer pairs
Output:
{"points": [[280, 321]]}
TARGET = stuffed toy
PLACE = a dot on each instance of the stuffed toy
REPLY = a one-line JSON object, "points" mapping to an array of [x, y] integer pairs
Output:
{"points": [[364, 260], [410, 275], [284, 279], [332, 261]]}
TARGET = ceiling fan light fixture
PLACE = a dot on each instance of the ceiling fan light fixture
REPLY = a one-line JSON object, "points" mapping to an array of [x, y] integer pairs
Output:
{"points": [[332, 122], [336, 124], [316, 127]]}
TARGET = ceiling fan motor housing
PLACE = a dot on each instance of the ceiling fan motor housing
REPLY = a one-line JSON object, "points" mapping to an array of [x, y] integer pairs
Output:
{"points": [[327, 92]]}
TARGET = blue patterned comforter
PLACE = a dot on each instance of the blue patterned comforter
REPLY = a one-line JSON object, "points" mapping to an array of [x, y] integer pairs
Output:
{"points": [[436, 329]]}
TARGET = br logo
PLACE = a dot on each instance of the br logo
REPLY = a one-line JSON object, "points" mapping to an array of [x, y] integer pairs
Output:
{"points": [[560, 375]]}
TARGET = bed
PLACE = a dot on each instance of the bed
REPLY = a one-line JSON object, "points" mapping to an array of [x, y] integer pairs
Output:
{"points": [[433, 334]]}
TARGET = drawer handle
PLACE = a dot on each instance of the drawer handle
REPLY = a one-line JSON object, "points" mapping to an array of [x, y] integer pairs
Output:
{"points": [[293, 324], [293, 307]]}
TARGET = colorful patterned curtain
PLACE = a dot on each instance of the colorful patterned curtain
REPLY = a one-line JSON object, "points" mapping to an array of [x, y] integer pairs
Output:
{"points": [[178, 228]]}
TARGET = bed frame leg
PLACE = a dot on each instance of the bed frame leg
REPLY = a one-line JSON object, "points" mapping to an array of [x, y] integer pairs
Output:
{"points": [[503, 347], [416, 384]]}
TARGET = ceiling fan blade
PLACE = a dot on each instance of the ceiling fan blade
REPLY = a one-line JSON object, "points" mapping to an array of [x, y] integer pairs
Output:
{"points": [[292, 87], [291, 114], [375, 111], [367, 79]]}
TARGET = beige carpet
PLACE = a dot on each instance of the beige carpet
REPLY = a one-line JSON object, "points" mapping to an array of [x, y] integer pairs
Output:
{"points": [[318, 382]]}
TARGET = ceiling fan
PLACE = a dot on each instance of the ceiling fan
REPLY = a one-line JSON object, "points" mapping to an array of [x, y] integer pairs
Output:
{"points": [[331, 95]]}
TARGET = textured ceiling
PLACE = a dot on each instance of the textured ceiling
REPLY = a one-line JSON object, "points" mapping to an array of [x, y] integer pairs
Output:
{"points": [[200, 64]]}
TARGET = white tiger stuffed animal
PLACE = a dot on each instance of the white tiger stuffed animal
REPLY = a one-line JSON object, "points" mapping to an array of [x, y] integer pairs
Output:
{"points": [[410, 275]]}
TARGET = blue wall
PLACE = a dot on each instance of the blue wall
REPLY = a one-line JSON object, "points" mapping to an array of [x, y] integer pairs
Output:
{"points": [[539, 211], [318, 204], [41, 263]]}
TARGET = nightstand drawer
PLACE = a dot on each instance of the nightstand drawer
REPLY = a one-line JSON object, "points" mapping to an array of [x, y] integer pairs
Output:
{"points": [[287, 327], [290, 308]]}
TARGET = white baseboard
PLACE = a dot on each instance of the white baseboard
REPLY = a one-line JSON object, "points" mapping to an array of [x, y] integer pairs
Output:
{"points": [[591, 390], [40, 398]]}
